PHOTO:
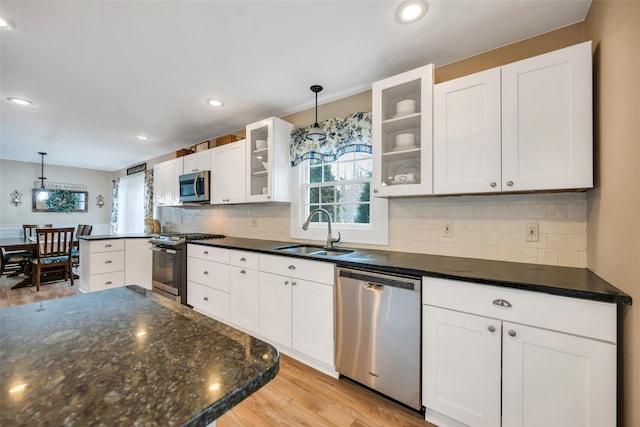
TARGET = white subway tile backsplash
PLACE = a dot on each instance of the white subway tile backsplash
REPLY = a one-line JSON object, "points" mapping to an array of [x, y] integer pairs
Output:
{"points": [[486, 227]]}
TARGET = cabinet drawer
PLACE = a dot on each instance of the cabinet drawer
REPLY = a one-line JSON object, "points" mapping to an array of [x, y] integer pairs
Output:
{"points": [[106, 245], [106, 262], [208, 300], [208, 253], [104, 281], [586, 318], [208, 273], [315, 271], [245, 259]]}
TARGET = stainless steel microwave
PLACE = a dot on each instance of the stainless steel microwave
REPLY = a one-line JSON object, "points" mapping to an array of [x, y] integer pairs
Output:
{"points": [[194, 187]]}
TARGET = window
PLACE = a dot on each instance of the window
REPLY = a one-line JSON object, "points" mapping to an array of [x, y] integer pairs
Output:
{"points": [[342, 187], [130, 212]]}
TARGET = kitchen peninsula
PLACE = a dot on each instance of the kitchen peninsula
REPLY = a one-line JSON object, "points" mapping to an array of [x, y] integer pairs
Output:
{"points": [[124, 356]]}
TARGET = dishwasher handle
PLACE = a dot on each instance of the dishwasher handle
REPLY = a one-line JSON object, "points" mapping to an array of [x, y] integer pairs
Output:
{"points": [[373, 287]]}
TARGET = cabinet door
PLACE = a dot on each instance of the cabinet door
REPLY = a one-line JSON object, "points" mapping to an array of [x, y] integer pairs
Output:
{"points": [[175, 183], [228, 173], [461, 366], [466, 142], [312, 319], [138, 262], [163, 183], [275, 308], [555, 379], [190, 163], [403, 168], [244, 293], [547, 132]]}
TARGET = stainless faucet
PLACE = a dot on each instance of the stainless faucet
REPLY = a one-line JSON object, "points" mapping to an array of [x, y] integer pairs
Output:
{"points": [[330, 239]]}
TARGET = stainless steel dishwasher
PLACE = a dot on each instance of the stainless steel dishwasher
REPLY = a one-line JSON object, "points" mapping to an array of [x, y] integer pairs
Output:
{"points": [[378, 333]]}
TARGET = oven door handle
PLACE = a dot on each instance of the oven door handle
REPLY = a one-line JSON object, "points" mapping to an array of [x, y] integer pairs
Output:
{"points": [[157, 249]]}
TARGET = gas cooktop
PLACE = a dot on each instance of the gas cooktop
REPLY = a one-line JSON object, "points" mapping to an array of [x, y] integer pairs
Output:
{"points": [[176, 238]]}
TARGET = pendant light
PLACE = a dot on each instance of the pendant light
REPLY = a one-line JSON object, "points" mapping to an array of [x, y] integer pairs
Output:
{"points": [[42, 194], [316, 133]]}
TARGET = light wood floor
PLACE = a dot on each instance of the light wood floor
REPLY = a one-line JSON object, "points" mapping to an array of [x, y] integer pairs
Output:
{"points": [[298, 396]]}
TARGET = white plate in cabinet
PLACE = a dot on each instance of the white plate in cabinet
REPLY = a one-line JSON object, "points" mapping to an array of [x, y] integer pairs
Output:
{"points": [[106, 245], [208, 300], [403, 170], [106, 262], [208, 273]]}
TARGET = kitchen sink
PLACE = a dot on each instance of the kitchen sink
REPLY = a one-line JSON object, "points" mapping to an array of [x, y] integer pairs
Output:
{"points": [[312, 250]]}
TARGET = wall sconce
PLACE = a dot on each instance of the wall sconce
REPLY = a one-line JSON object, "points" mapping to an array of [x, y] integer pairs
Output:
{"points": [[16, 198], [100, 200]]}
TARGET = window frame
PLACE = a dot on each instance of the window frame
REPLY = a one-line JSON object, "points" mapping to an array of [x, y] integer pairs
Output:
{"points": [[375, 233]]}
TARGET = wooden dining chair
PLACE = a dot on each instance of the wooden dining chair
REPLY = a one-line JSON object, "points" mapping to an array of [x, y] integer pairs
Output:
{"points": [[29, 230], [13, 263], [82, 230], [53, 251]]}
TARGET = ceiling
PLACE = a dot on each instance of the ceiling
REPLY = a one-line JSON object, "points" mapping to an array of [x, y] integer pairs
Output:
{"points": [[102, 72]]}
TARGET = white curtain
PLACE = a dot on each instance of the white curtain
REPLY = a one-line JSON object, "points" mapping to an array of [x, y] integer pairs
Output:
{"points": [[130, 204]]}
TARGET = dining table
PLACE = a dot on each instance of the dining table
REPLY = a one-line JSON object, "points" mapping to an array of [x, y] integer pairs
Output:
{"points": [[29, 244]]}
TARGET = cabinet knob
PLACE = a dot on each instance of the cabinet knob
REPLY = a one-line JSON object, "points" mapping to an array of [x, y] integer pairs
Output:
{"points": [[206, 272], [243, 259], [107, 246], [108, 283], [292, 267], [512, 333], [510, 183], [243, 272], [375, 190], [286, 282], [293, 283], [206, 252], [206, 298], [491, 328], [502, 302], [108, 261], [493, 184]]}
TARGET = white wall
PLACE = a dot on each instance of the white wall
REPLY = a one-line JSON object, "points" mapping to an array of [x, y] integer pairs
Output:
{"points": [[21, 175]]}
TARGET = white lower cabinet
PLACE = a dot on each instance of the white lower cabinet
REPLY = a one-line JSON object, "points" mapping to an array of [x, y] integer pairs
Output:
{"points": [[244, 295], [275, 308], [138, 262], [208, 280], [102, 264], [537, 359], [208, 300]]}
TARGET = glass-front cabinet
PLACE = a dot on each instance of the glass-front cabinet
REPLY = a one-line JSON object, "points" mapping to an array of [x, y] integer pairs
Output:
{"points": [[402, 134], [268, 166]]}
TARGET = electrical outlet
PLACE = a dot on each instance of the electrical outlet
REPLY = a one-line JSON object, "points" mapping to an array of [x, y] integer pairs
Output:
{"points": [[532, 231], [254, 221], [447, 230]]}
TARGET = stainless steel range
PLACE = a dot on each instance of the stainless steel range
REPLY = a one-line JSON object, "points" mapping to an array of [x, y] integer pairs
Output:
{"points": [[169, 274]]}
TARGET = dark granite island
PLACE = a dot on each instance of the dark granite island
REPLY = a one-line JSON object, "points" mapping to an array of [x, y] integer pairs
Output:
{"points": [[123, 357]]}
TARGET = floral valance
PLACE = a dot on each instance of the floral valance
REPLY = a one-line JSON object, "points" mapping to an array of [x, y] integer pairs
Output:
{"points": [[344, 135]]}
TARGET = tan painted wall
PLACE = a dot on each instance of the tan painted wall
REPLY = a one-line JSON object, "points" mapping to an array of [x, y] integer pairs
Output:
{"points": [[614, 205]]}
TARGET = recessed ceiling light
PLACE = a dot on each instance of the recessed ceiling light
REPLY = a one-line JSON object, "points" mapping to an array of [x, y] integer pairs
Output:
{"points": [[215, 102], [411, 11], [20, 101], [143, 137], [6, 24]]}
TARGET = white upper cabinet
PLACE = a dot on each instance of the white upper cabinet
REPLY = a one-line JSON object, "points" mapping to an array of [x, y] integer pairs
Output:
{"points": [[402, 134], [521, 127], [228, 173], [166, 189], [268, 168], [466, 126], [196, 162], [547, 116]]}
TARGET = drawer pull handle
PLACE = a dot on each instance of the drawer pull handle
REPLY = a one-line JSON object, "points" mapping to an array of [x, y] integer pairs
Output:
{"points": [[293, 283], [243, 259], [206, 298], [206, 272], [108, 283], [108, 261], [292, 267], [107, 246], [491, 328], [512, 333], [243, 272], [510, 183], [502, 302], [206, 252], [493, 185], [286, 282]]}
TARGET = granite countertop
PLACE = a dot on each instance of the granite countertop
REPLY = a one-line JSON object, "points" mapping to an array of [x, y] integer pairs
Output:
{"points": [[124, 356], [563, 281]]}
